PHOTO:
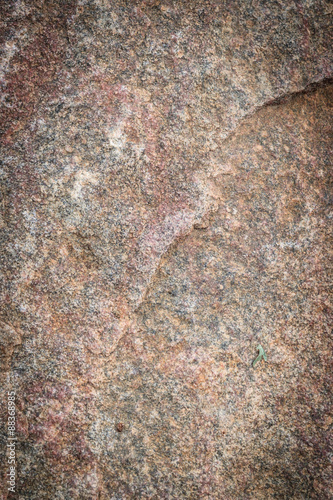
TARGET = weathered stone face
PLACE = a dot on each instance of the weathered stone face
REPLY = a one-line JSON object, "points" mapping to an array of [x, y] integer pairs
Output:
{"points": [[165, 209]]}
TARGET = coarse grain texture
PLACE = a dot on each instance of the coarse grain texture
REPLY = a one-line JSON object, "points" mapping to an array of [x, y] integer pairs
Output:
{"points": [[166, 207]]}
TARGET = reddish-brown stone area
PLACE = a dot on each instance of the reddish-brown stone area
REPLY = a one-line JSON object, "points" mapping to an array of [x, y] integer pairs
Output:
{"points": [[165, 208], [36, 41]]}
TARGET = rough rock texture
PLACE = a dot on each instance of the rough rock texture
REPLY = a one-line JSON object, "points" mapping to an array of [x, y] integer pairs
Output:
{"points": [[165, 207]]}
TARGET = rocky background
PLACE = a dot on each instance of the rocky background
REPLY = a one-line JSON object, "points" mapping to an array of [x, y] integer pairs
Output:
{"points": [[165, 208]]}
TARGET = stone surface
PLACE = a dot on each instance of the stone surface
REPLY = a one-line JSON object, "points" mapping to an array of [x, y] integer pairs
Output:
{"points": [[165, 208]]}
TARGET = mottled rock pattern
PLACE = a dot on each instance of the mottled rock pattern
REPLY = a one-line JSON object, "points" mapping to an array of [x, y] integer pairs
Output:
{"points": [[165, 207]]}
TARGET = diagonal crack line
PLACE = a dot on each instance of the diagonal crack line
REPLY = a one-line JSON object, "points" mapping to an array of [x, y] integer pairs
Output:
{"points": [[308, 89], [280, 100]]}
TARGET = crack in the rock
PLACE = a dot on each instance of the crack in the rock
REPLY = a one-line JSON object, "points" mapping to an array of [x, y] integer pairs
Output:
{"points": [[210, 208], [279, 100], [308, 89]]}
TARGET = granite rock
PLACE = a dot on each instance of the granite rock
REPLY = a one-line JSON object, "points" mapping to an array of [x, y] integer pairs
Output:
{"points": [[165, 208]]}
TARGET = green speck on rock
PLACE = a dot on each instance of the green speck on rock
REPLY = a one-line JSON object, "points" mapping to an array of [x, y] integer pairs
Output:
{"points": [[261, 355]]}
